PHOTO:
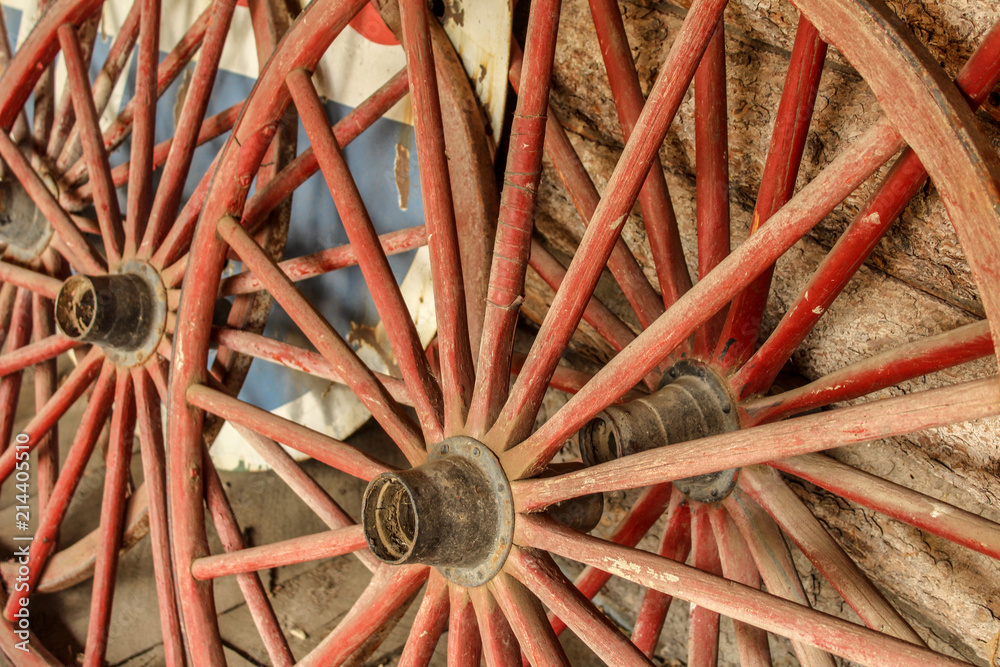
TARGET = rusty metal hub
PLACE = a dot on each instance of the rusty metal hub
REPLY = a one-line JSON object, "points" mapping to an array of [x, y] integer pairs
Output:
{"points": [[692, 403], [125, 312], [23, 228], [455, 512]]}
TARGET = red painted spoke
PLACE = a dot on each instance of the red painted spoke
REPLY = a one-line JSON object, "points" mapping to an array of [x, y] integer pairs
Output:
{"points": [[703, 625], [464, 646], [287, 552], [39, 283], [566, 379], [798, 523], [113, 503], [654, 198], [675, 544], [429, 623], [774, 562], [806, 209], [323, 448], [358, 376], [46, 381], [326, 261], [45, 542], [889, 368], [71, 389], [712, 166], [632, 528], [516, 220], [741, 603], [543, 578], [20, 129], [457, 370], [791, 127], [518, 414], [10, 386], [645, 302], [912, 507], [402, 332], [811, 433], [82, 254], [8, 291], [527, 619], [390, 588], [500, 647], [597, 315], [231, 536], [738, 566], [907, 176], [44, 93], [109, 216]]}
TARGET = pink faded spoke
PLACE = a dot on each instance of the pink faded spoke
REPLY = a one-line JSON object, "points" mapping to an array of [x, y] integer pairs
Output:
{"points": [[382, 285], [527, 619], [298, 358], [182, 231], [518, 414], [175, 169], [516, 220], [391, 587], [10, 386], [912, 507], [109, 216], [738, 566], [155, 479], [712, 166], [39, 283], [539, 574], [83, 254], [889, 368], [457, 369], [323, 448], [796, 520], [157, 367], [46, 382], [741, 603], [703, 626], [632, 528], [500, 647], [257, 600], [46, 532], [645, 302], [803, 435], [326, 261], [566, 379], [788, 140], [429, 623], [774, 562], [65, 396], [287, 552], [8, 292], [333, 348], [464, 646], [654, 198], [113, 502], [807, 208], [675, 544]]}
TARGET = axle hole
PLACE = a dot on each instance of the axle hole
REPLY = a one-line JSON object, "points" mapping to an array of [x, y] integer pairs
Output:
{"points": [[395, 522], [76, 306]]}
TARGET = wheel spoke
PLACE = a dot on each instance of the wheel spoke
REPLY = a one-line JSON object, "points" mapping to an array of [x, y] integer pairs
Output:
{"points": [[46, 381], [10, 386], [464, 645], [399, 326], [811, 433], [527, 619], [772, 493], [703, 624], [794, 219], [333, 348], [39, 283], [906, 505], [500, 647], [788, 140], [429, 623]]}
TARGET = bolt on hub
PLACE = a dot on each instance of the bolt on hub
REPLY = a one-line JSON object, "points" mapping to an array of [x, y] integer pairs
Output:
{"points": [[692, 403]]}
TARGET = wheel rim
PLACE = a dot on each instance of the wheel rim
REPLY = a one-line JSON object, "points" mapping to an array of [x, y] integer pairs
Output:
{"points": [[108, 263], [741, 526]]}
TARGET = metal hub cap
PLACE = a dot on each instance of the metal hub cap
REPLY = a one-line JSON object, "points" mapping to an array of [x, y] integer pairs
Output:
{"points": [[125, 313], [23, 228], [692, 403], [455, 512]]}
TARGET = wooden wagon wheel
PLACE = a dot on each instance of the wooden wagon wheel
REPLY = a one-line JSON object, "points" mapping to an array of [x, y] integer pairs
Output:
{"points": [[86, 277], [467, 516]]}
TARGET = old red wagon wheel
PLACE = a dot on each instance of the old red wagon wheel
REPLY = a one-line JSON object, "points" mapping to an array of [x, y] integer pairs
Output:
{"points": [[471, 503], [83, 276]]}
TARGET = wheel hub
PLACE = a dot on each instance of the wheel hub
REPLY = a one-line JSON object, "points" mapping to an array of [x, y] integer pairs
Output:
{"points": [[692, 403], [23, 228], [455, 512], [125, 313]]}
